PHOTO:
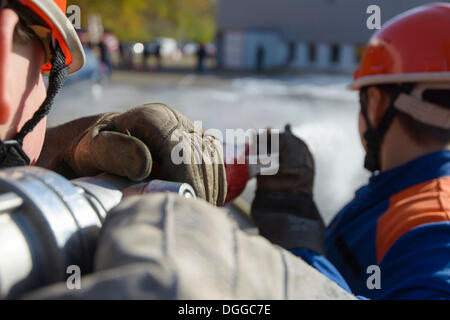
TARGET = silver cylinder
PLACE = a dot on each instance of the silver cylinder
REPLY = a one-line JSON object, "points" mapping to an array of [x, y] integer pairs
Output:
{"points": [[48, 223]]}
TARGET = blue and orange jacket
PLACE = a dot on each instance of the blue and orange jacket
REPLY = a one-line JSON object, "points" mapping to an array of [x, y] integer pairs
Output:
{"points": [[400, 222]]}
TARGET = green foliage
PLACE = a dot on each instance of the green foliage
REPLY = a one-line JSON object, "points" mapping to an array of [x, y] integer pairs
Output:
{"points": [[143, 20]]}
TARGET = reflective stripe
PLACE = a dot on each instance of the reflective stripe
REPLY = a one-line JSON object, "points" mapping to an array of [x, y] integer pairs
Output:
{"points": [[428, 202]]}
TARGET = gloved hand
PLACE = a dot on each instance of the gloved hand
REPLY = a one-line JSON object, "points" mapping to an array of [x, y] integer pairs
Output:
{"points": [[129, 144], [283, 208]]}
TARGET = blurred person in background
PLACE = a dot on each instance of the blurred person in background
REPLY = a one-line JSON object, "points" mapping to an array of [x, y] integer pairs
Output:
{"points": [[111, 43], [260, 58], [122, 53], [158, 56], [146, 55], [201, 56], [105, 57]]}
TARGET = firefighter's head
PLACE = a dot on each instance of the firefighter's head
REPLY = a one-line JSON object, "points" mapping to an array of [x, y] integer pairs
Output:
{"points": [[404, 83], [36, 40]]}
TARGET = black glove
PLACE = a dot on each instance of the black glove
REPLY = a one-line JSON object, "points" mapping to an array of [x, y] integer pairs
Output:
{"points": [[283, 208]]}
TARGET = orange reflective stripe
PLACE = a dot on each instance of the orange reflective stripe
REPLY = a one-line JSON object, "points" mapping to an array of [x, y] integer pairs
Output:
{"points": [[424, 203]]}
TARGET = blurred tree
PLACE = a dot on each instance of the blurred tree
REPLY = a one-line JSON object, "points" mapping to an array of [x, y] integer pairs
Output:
{"points": [[143, 20]]}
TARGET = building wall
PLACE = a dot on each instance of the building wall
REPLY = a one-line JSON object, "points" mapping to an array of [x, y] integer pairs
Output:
{"points": [[280, 25], [309, 20], [302, 56], [233, 50], [241, 52], [274, 49]]}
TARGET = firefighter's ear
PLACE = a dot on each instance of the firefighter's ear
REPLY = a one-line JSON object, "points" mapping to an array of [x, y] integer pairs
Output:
{"points": [[377, 104], [8, 22]]}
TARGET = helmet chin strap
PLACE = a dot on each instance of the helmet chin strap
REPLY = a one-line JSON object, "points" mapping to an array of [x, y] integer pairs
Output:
{"points": [[11, 151], [374, 136]]}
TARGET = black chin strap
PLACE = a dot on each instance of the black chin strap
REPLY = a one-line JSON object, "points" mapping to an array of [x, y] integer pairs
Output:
{"points": [[374, 136], [58, 75], [11, 152]]}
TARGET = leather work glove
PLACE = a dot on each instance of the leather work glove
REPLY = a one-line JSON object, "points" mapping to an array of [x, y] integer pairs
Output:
{"points": [[150, 139], [283, 208]]}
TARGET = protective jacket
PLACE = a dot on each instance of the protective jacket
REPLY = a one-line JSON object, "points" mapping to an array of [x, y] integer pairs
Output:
{"points": [[399, 222]]}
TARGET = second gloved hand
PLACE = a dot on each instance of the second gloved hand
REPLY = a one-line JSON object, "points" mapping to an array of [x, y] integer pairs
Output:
{"points": [[283, 208]]}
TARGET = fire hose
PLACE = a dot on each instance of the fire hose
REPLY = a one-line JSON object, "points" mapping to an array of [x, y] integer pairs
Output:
{"points": [[48, 223]]}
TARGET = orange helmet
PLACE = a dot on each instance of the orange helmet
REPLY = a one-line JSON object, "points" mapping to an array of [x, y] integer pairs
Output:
{"points": [[65, 52], [53, 13], [412, 47]]}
